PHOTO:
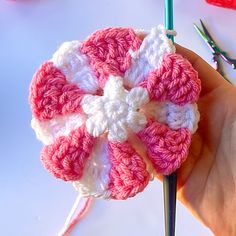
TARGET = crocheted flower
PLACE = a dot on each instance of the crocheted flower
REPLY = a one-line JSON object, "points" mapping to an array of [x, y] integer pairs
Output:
{"points": [[114, 108]]}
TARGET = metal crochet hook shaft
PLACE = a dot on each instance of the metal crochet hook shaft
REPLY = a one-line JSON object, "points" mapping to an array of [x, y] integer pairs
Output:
{"points": [[169, 181]]}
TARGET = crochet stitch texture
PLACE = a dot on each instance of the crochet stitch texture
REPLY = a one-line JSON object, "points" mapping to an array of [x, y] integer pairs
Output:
{"points": [[114, 108]]}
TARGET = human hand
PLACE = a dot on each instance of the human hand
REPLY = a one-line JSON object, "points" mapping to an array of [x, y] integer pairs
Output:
{"points": [[207, 179]]}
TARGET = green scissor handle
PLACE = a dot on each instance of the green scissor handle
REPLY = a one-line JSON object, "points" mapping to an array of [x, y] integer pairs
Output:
{"points": [[214, 48]]}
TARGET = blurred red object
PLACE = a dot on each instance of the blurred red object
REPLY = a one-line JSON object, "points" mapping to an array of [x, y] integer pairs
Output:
{"points": [[223, 3]]}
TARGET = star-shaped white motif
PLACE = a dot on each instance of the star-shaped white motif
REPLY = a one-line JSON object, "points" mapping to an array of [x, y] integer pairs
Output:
{"points": [[115, 111]]}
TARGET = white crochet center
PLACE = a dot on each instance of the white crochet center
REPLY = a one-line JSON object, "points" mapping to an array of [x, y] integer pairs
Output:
{"points": [[116, 110]]}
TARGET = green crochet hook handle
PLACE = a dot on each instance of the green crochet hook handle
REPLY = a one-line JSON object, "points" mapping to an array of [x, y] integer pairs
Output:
{"points": [[169, 23], [169, 181]]}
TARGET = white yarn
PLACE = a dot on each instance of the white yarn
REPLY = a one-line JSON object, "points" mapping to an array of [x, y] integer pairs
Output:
{"points": [[175, 116], [141, 33], [47, 131], [186, 116], [150, 54], [116, 110], [95, 179], [75, 66]]}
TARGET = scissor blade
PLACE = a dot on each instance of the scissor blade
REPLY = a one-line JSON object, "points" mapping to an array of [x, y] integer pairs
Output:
{"points": [[206, 32], [201, 33], [204, 37]]}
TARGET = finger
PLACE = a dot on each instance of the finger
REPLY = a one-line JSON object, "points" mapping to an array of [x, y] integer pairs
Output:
{"points": [[210, 78]]}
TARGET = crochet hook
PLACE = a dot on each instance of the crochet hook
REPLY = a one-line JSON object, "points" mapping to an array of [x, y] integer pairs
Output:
{"points": [[169, 181]]}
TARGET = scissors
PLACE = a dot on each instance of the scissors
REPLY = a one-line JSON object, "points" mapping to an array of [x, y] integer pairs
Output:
{"points": [[216, 51]]}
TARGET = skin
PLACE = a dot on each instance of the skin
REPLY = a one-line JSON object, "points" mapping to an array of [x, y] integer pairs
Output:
{"points": [[207, 179]]}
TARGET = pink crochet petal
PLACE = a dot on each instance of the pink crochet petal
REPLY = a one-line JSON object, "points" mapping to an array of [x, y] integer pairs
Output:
{"points": [[128, 174], [51, 94], [166, 148], [66, 157], [108, 51], [175, 81]]}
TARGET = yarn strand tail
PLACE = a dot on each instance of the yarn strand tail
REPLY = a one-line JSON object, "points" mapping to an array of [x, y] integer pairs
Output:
{"points": [[70, 221]]}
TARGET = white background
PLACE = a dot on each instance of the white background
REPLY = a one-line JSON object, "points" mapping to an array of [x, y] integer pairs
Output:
{"points": [[32, 203]]}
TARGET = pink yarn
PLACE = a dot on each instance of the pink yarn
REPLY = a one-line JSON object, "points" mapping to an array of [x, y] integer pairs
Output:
{"points": [[128, 174], [66, 157], [174, 81], [166, 148], [82, 212], [51, 94], [108, 51]]}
